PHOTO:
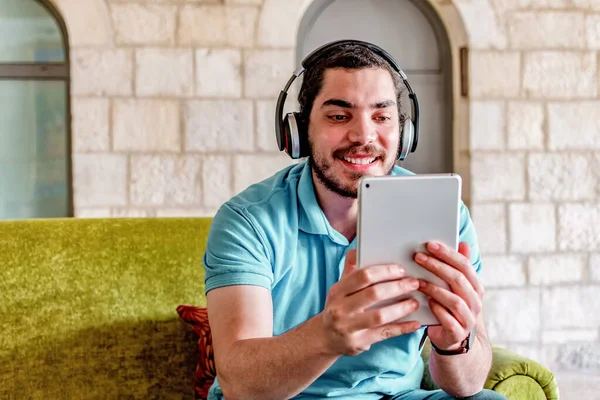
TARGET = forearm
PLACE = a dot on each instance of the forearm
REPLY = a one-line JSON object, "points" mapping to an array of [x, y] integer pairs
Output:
{"points": [[462, 375], [277, 367]]}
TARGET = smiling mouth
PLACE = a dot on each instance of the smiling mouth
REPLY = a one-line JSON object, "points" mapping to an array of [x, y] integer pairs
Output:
{"points": [[360, 161]]}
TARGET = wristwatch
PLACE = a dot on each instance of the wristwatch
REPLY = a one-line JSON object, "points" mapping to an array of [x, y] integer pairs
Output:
{"points": [[464, 348]]}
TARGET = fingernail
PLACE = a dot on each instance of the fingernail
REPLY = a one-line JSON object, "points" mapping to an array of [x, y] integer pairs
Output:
{"points": [[414, 284], [434, 246], [421, 257], [422, 284]]}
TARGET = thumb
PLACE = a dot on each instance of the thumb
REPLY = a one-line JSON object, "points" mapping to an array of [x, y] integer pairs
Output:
{"points": [[350, 262], [465, 250]]}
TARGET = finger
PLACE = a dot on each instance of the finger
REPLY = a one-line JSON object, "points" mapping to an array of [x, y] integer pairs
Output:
{"points": [[350, 263], [381, 316], [457, 281], [379, 292], [465, 250], [391, 330], [361, 278], [451, 302], [455, 332], [458, 261]]}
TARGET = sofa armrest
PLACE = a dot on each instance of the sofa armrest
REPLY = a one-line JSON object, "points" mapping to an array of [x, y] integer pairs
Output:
{"points": [[512, 375]]}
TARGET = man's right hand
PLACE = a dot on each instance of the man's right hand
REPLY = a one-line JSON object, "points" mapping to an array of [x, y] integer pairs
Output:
{"points": [[350, 326]]}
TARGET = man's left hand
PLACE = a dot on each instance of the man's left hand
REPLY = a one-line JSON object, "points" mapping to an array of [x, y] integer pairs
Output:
{"points": [[456, 309]]}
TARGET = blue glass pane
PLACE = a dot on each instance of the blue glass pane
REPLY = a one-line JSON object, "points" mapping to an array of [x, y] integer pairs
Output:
{"points": [[29, 33], [34, 157]]}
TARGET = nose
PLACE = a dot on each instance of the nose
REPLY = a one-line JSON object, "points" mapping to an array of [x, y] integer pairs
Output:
{"points": [[363, 130]]}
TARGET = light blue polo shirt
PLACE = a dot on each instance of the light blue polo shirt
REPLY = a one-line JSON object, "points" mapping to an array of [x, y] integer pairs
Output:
{"points": [[275, 235]]}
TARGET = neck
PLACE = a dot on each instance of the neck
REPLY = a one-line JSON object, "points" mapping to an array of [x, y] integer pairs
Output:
{"points": [[341, 212]]}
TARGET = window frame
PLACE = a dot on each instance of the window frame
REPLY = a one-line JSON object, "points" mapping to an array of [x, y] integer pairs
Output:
{"points": [[51, 71]]}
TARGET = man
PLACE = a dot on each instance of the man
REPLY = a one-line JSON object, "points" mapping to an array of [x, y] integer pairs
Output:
{"points": [[286, 303]]}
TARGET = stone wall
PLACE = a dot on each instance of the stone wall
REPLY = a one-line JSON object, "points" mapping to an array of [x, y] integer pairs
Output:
{"points": [[173, 113], [535, 145]]}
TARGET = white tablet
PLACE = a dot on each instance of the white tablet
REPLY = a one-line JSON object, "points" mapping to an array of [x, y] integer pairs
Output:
{"points": [[398, 215]]}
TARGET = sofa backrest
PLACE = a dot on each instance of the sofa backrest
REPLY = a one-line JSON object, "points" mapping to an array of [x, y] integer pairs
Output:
{"points": [[88, 307]]}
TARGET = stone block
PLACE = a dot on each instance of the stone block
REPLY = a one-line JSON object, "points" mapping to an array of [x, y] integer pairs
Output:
{"points": [[218, 73], [216, 180], [99, 180], [267, 71], [184, 212], [498, 177], [490, 223], [567, 176], [578, 384], [88, 22], [487, 125], [513, 314], [146, 125], [101, 72], [565, 307], [556, 268], [217, 25], [562, 336], [92, 213], [532, 227], [566, 118], [579, 227], [595, 268], [250, 169], [525, 125], [275, 21], [560, 75], [164, 72], [484, 28], [494, 74], [546, 30], [219, 125], [265, 125], [151, 24], [244, 2], [502, 6], [132, 213], [502, 271], [590, 5], [592, 26], [166, 180], [90, 124]]}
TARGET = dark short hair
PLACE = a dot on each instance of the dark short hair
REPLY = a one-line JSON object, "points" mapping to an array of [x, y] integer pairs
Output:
{"points": [[348, 56]]}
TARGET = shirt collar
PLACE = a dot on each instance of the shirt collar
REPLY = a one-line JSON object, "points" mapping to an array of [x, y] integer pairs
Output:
{"points": [[312, 219]]}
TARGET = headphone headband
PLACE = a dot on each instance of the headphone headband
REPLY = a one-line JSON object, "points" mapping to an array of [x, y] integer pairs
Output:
{"points": [[283, 138]]}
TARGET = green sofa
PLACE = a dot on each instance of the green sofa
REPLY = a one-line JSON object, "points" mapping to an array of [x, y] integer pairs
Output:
{"points": [[88, 311]]}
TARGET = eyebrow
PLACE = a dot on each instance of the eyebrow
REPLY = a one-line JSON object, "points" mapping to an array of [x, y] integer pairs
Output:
{"points": [[347, 104]]}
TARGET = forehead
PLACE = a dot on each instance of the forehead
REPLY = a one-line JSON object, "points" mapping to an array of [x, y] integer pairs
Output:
{"points": [[357, 85]]}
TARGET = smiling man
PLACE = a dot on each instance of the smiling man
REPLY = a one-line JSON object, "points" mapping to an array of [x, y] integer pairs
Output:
{"points": [[289, 310]]}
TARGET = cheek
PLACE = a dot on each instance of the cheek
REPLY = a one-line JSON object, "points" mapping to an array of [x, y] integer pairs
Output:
{"points": [[391, 140]]}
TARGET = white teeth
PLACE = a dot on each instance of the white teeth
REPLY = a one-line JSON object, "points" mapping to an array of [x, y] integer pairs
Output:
{"points": [[361, 161]]}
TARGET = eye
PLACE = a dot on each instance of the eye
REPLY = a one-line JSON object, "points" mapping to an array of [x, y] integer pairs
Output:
{"points": [[337, 118], [382, 118]]}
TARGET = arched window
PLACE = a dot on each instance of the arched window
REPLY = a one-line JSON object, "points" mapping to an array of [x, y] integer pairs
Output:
{"points": [[35, 148]]}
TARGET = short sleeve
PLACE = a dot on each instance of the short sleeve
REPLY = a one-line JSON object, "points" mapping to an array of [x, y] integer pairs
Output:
{"points": [[469, 235], [235, 252]]}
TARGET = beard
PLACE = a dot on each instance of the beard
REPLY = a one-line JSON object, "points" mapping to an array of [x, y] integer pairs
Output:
{"points": [[322, 165]]}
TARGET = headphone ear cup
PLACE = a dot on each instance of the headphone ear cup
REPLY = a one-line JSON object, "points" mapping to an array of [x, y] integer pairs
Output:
{"points": [[407, 136], [291, 135], [303, 135]]}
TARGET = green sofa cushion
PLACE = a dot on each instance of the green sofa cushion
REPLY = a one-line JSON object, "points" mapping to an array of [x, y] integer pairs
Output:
{"points": [[89, 307]]}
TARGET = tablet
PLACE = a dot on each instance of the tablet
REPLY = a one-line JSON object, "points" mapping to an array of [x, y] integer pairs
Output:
{"points": [[397, 216]]}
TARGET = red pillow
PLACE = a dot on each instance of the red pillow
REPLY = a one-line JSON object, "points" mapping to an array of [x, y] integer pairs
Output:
{"points": [[205, 369]]}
